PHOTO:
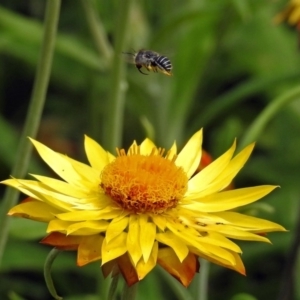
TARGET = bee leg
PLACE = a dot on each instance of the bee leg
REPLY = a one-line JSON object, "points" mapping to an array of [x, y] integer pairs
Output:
{"points": [[139, 69], [153, 67], [148, 67]]}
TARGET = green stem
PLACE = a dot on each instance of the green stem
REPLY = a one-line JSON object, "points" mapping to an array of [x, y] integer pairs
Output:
{"points": [[47, 272], [17, 26], [238, 95], [115, 106], [202, 293], [113, 286], [97, 29], [181, 292], [129, 292], [267, 114], [34, 114]]}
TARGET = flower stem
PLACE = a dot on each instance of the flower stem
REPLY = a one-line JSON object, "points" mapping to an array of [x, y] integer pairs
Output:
{"points": [[34, 113], [47, 272], [113, 287], [288, 281], [203, 283], [115, 106], [97, 29], [268, 113], [181, 292], [237, 96], [129, 292]]}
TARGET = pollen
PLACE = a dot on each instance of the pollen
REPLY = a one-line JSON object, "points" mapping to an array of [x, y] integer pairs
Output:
{"points": [[144, 184]]}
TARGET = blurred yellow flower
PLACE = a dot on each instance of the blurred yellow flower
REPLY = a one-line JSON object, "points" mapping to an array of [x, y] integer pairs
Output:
{"points": [[290, 14], [143, 208]]}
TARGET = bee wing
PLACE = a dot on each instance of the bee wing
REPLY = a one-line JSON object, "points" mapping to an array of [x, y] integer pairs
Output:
{"points": [[129, 57]]}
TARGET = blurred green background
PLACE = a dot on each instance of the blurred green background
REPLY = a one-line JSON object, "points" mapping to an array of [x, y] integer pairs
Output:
{"points": [[230, 61]]}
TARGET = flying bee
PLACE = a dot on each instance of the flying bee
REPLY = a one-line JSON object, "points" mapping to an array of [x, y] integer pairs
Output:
{"points": [[152, 61]]}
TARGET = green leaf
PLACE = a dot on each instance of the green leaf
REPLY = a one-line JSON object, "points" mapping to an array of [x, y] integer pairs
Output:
{"points": [[25, 229], [243, 296]]}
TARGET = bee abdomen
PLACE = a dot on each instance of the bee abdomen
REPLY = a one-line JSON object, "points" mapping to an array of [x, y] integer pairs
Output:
{"points": [[164, 63]]}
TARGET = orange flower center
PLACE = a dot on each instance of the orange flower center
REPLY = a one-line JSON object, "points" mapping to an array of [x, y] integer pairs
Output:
{"points": [[142, 184]]}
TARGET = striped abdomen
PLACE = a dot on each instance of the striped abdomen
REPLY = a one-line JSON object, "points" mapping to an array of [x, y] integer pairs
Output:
{"points": [[164, 64]]}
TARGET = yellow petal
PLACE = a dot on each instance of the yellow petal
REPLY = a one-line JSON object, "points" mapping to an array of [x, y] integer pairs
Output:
{"points": [[236, 233], [169, 239], [115, 248], [115, 227], [34, 210], [97, 156], [39, 191], [190, 239], [159, 221], [132, 243], [61, 186], [196, 218], [217, 239], [147, 238], [230, 199], [132, 149], [249, 222], [39, 188], [110, 157], [87, 227], [89, 249], [294, 16], [237, 265], [75, 216], [200, 181], [172, 151], [97, 201], [17, 184], [104, 214], [186, 236], [142, 267], [226, 177], [58, 225], [235, 165], [184, 271], [90, 178], [189, 157], [219, 254], [59, 164], [147, 147]]}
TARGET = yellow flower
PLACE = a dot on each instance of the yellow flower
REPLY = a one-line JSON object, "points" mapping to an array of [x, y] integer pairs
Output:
{"points": [[144, 207]]}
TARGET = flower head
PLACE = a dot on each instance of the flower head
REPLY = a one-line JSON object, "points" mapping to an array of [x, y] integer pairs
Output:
{"points": [[144, 207]]}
